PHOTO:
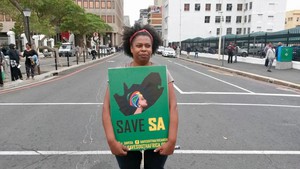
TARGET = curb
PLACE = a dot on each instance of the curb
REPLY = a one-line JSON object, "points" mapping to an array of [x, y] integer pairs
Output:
{"points": [[46, 75], [247, 74]]}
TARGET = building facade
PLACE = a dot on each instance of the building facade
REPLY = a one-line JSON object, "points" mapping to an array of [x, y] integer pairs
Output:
{"points": [[292, 19], [184, 19], [112, 13], [6, 24]]}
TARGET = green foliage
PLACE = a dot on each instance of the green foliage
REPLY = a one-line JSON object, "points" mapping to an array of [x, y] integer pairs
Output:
{"points": [[53, 16]]}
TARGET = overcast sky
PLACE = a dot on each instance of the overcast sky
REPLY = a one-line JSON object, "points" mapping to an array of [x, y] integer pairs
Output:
{"points": [[132, 7]]}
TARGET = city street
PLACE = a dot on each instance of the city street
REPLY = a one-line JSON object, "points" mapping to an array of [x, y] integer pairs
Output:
{"points": [[225, 120]]}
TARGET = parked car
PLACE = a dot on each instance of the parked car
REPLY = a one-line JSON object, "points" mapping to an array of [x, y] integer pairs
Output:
{"points": [[255, 50], [169, 52], [67, 49], [160, 50], [241, 51]]}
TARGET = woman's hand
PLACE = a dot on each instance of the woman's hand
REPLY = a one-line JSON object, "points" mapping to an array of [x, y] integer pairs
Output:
{"points": [[166, 149], [117, 148]]}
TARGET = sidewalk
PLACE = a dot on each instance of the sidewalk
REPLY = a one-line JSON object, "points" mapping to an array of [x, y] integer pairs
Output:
{"points": [[48, 69], [249, 68]]}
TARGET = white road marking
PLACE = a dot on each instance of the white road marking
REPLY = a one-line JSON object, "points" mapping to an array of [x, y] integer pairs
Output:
{"points": [[236, 93], [183, 104], [215, 78], [211, 152]]}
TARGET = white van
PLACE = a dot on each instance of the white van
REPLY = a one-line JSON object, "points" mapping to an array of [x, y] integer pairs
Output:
{"points": [[67, 49]]}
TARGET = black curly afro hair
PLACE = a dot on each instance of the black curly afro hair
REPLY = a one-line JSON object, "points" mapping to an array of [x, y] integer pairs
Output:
{"points": [[129, 31]]}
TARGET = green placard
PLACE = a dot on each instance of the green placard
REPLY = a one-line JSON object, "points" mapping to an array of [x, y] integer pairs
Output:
{"points": [[285, 54], [139, 106]]}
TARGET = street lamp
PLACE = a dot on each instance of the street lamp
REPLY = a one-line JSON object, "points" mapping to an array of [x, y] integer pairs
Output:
{"points": [[27, 13]]}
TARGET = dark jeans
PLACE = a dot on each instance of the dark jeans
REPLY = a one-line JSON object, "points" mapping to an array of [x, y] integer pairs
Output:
{"points": [[230, 54], [15, 73], [29, 70], [133, 159], [1, 80]]}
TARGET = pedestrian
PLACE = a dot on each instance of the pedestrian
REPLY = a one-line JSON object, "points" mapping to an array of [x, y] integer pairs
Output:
{"points": [[1, 69], [29, 60], [140, 43], [270, 56], [188, 50], [196, 53], [94, 53], [236, 48], [15, 66], [230, 50], [277, 49]]}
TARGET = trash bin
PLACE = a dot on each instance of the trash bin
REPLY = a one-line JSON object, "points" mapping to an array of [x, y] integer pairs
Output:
{"points": [[284, 58]]}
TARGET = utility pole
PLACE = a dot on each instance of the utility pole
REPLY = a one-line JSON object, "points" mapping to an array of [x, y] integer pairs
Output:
{"points": [[221, 31]]}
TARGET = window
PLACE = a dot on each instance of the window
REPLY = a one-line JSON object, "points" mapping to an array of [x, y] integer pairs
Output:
{"points": [[197, 7], [228, 19], [297, 19], [218, 31], [229, 7], [186, 7], [245, 19], [249, 18], [79, 3], [238, 19], [207, 7], [218, 19], [218, 7], [228, 31], [246, 6], [245, 30], [91, 4], [7, 18], [271, 16], [238, 31], [1, 17], [112, 4], [109, 19], [269, 30], [103, 6], [248, 30], [97, 4], [250, 5], [103, 17], [207, 19], [85, 4], [108, 4], [239, 7]]}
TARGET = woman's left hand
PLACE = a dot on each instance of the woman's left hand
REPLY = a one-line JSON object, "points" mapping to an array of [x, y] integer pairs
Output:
{"points": [[166, 149]]}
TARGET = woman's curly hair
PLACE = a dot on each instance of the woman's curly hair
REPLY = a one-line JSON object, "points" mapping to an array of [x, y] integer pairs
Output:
{"points": [[129, 31]]}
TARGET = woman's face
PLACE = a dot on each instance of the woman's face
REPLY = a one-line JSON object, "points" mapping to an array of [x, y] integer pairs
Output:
{"points": [[27, 47], [142, 101], [141, 49]]}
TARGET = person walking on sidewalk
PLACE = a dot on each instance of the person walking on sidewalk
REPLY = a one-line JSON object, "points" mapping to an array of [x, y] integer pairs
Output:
{"points": [[1, 69], [196, 53], [270, 56], [14, 58], [29, 60], [230, 50]]}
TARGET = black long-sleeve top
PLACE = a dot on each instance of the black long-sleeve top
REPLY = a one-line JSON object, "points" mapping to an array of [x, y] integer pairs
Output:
{"points": [[28, 53]]}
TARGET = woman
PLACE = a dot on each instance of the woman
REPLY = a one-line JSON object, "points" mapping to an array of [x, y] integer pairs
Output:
{"points": [[270, 56], [29, 61], [140, 42]]}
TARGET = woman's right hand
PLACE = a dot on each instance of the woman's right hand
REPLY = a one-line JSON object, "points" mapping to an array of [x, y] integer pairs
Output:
{"points": [[117, 148]]}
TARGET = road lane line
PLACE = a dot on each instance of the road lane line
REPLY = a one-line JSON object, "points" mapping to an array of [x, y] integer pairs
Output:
{"points": [[214, 78], [199, 152]]}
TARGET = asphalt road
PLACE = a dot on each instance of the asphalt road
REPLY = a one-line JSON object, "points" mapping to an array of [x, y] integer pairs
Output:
{"points": [[226, 121]]}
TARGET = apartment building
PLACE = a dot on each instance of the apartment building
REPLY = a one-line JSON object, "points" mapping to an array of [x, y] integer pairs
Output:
{"points": [[184, 19], [292, 19], [112, 12]]}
